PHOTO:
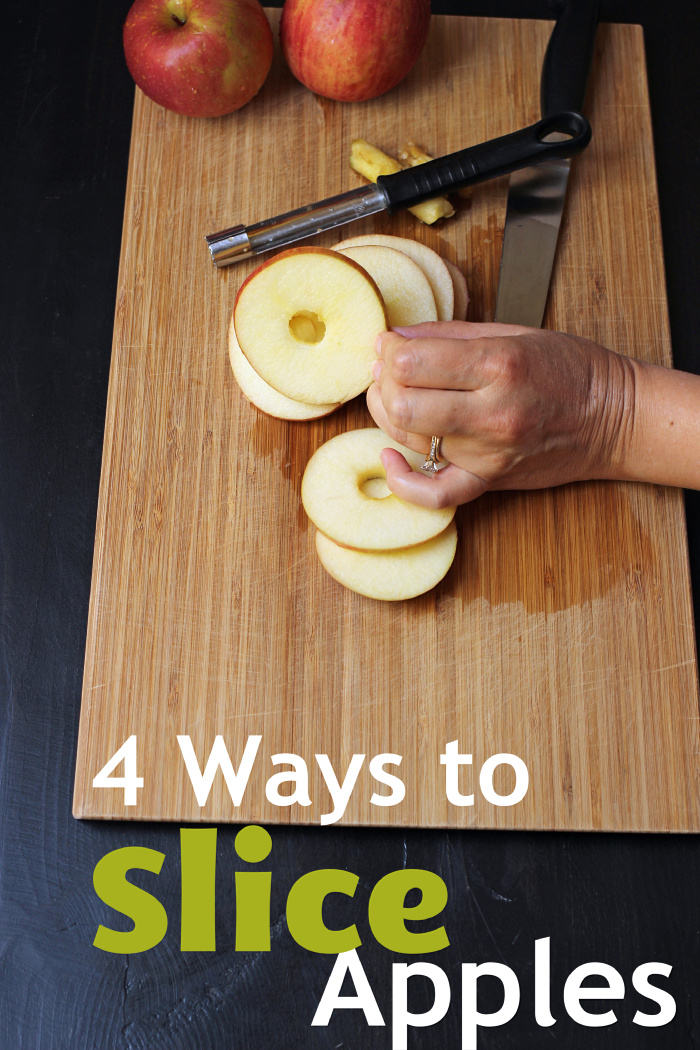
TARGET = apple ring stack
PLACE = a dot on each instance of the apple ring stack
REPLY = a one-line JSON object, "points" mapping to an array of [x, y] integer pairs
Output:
{"points": [[301, 342], [302, 332], [368, 539]]}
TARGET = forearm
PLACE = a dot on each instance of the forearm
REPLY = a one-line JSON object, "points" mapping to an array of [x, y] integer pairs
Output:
{"points": [[663, 443]]}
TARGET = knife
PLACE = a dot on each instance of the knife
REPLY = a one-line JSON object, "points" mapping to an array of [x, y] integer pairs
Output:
{"points": [[558, 135], [536, 194]]}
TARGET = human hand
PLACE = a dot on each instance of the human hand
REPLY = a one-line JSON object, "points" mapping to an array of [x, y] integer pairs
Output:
{"points": [[516, 408]]}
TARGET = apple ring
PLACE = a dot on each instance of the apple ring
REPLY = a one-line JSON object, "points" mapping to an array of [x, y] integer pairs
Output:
{"points": [[345, 495], [262, 395], [306, 320], [405, 289], [394, 575], [432, 265]]}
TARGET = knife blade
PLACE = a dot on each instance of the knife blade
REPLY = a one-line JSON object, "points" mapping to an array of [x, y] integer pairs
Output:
{"points": [[536, 194]]}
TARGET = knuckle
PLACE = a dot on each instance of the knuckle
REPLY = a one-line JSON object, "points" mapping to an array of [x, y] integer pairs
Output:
{"points": [[512, 363], [397, 434], [402, 364], [400, 411], [455, 420], [514, 426], [503, 456]]}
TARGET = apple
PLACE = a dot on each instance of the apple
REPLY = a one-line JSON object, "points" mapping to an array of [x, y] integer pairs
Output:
{"points": [[200, 58], [353, 50], [394, 575], [405, 288], [341, 495], [306, 320], [262, 395], [432, 265], [459, 282]]}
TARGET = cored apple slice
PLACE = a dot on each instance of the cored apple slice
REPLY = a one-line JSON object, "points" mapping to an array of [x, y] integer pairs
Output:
{"points": [[405, 288], [306, 320], [343, 497], [262, 395], [390, 576], [429, 261], [459, 282]]}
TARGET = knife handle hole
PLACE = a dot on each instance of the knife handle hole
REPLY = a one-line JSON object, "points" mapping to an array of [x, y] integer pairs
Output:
{"points": [[556, 136]]}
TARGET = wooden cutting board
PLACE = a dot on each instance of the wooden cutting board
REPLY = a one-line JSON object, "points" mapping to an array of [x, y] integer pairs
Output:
{"points": [[563, 633]]}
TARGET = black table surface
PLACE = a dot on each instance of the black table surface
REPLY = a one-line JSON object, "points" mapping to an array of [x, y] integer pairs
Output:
{"points": [[619, 899]]}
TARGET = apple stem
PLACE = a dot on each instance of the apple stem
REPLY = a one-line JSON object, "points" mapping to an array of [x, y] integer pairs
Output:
{"points": [[179, 21]]}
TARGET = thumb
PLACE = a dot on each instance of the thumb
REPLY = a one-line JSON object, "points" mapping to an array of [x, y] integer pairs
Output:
{"points": [[450, 487]]}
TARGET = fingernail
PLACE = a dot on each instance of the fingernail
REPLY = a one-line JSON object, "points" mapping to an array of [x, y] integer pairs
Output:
{"points": [[378, 344], [376, 370], [382, 456]]}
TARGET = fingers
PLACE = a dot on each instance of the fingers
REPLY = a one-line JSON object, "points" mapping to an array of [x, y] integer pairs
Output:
{"points": [[469, 452], [416, 410], [416, 442], [444, 364], [460, 330], [450, 487], [447, 363]]}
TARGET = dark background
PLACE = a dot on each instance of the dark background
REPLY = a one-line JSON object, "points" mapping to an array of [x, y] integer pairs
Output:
{"points": [[624, 900]]}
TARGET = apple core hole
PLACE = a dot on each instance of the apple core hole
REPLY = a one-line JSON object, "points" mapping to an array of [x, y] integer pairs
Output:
{"points": [[307, 327], [375, 488]]}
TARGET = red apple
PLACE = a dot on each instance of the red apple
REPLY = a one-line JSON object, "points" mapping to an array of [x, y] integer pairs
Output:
{"points": [[201, 58], [353, 50]]}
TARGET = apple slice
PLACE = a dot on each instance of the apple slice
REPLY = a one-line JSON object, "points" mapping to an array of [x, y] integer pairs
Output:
{"points": [[390, 576], [459, 282], [405, 288], [262, 395], [344, 499], [429, 261], [306, 320]]}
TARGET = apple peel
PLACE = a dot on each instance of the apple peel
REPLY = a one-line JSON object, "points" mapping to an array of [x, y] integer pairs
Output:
{"points": [[198, 58], [459, 282]]}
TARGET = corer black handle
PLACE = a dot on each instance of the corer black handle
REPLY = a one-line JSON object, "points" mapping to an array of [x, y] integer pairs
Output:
{"points": [[487, 160]]}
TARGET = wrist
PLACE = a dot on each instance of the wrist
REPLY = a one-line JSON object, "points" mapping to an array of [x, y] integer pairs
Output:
{"points": [[613, 395], [658, 434]]}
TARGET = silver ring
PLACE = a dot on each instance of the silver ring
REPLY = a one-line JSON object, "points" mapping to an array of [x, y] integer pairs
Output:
{"points": [[431, 464]]}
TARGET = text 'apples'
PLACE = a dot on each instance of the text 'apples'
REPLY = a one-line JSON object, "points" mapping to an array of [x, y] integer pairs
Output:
{"points": [[353, 50], [199, 58]]}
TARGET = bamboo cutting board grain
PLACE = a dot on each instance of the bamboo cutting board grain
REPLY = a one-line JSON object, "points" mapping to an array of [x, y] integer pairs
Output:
{"points": [[563, 633]]}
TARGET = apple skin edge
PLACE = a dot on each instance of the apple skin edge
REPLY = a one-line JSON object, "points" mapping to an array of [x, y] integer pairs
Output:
{"points": [[353, 50], [305, 249], [198, 58]]}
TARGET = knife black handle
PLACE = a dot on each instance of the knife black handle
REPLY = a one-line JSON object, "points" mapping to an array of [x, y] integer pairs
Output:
{"points": [[488, 160], [567, 61]]}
